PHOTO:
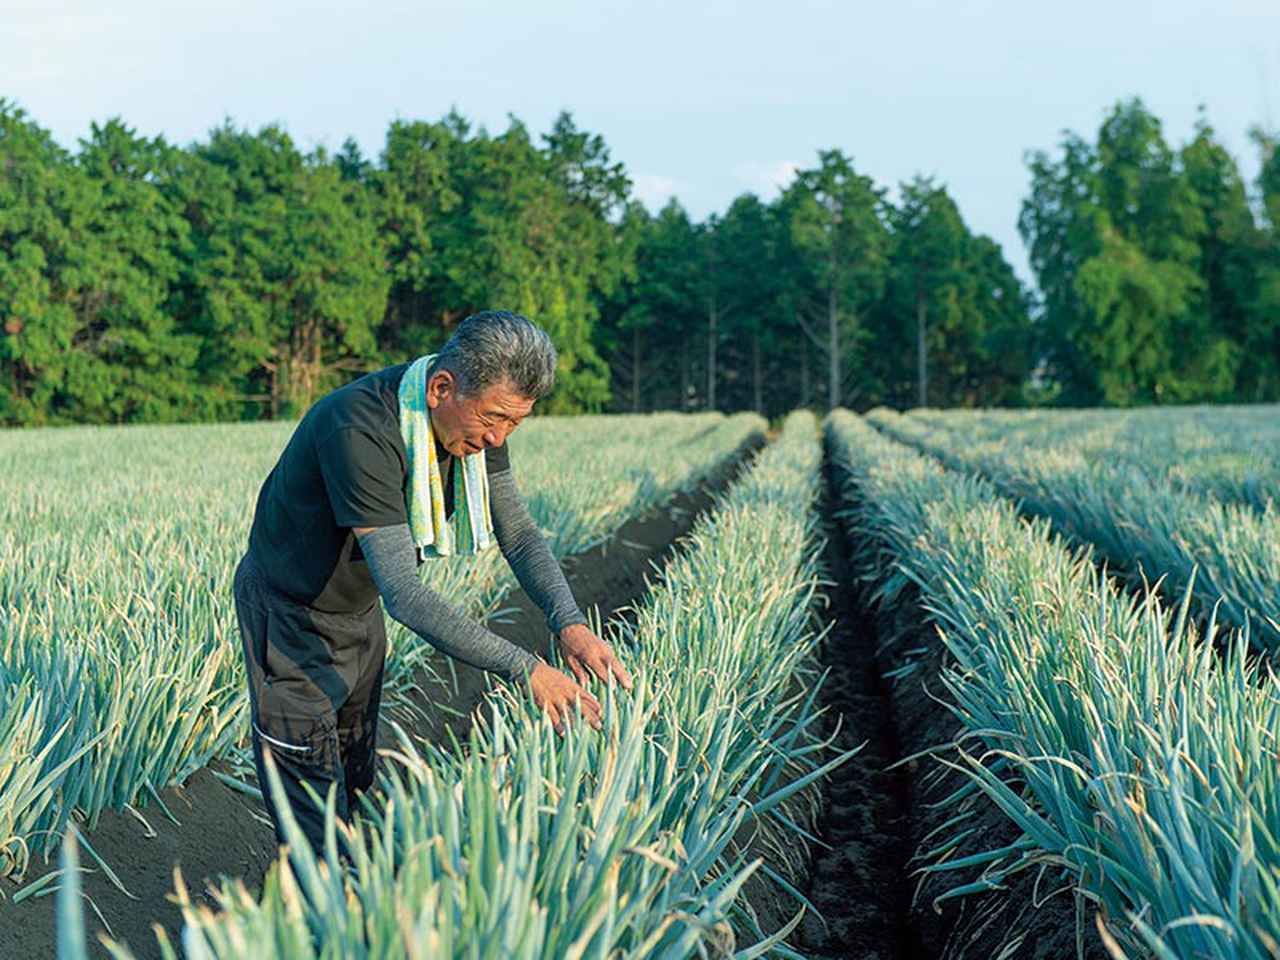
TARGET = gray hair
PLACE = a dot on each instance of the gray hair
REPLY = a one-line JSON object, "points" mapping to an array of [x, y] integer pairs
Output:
{"points": [[497, 346]]}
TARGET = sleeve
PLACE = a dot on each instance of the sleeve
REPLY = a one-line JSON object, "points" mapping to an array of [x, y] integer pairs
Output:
{"points": [[391, 556], [364, 478], [527, 552], [497, 459]]}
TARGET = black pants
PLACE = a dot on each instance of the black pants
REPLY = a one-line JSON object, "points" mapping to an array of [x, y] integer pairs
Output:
{"points": [[315, 683]]}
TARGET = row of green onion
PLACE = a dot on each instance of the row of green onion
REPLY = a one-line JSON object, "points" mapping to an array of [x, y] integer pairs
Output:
{"points": [[1112, 733], [1228, 554]]}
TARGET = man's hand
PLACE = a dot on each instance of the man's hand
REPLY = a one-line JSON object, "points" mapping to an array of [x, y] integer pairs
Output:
{"points": [[557, 694], [583, 650]]}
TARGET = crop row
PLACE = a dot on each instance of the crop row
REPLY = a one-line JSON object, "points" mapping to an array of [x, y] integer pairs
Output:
{"points": [[1115, 737], [1224, 553], [120, 669], [629, 842], [1228, 454]]}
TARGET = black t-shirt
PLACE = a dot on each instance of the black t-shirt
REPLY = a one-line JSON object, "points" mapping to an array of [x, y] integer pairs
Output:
{"points": [[345, 466]]}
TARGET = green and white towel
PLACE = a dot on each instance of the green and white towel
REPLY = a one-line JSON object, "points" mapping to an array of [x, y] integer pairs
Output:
{"points": [[470, 529]]}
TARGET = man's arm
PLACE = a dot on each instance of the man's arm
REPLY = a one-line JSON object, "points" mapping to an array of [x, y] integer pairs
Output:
{"points": [[393, 564], [527, 552], [392, 559], [539, 573]]}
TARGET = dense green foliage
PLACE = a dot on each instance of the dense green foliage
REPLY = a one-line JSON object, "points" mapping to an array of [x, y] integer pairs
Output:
{"points": [[1160, 283], [821, 297], [239, 277]]}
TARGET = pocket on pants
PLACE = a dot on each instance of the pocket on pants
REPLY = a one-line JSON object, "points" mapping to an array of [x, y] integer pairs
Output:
{"points": [[300, 729]]}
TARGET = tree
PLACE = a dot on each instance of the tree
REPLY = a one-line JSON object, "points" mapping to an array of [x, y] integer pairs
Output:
{"points": [[1227, 265], [837, 230], [351, 162], [417, 192], [929, 245], [745, 287], [44, 203], [1114, 235], [1058, 223], [130, 359], [999, 349], [595, 191], [478, 221], [289, 281], [1144, 288], [951, 305], [656, 311], [88, 257], [1261, 369]]}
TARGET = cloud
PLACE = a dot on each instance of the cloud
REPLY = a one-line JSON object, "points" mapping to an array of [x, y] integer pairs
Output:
{"points": [[654, 190], [766, 179]]}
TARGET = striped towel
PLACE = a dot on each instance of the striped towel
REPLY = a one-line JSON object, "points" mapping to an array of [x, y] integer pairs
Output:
{"points": [[470, 529]]}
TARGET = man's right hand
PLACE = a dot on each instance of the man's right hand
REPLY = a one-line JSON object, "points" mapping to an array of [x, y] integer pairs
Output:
{"points": [[557, 693]]}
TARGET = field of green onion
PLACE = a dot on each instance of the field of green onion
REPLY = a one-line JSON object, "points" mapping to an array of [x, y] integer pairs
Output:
{"points": [[634, 841], [1191, 497], [120, 670], [1145, 762], [1126, 736], [1230, 454]]}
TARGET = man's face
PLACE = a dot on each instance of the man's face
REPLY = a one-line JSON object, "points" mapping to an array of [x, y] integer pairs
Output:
{"points": [[466, 425]]}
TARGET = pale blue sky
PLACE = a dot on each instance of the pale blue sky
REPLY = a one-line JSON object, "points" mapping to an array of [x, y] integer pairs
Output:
{"points": [[703, 100]]}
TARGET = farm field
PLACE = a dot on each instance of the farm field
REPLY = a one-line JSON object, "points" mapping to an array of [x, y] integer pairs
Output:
{"points": [[1105, 726], [141, 592], [1229, 453], [1187, 497], [868, 687], [888, 563]]}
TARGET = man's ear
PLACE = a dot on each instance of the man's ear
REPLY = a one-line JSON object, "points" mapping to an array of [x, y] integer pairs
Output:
{"points": [[439, 388]]}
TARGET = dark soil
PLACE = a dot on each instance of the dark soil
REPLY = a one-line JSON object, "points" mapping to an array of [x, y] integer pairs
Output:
{"points": [[223, 831], [1021, 921], [857, 883]]}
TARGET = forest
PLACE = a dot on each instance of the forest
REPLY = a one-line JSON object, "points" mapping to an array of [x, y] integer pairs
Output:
{"points": [[239, 277]]}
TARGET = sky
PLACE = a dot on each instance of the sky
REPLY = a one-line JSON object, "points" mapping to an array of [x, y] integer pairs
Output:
{"points": [[701, 101]]}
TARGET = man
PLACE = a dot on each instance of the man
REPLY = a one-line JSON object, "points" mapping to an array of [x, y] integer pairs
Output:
{"points": [[406, 463]]}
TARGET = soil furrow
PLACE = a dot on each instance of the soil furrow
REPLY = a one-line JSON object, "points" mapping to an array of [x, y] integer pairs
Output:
{"points": [[858, 883], [1023, 920]]}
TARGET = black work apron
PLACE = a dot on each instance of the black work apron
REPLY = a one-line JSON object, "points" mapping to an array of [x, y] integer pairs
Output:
{"points": [[315, 683]]}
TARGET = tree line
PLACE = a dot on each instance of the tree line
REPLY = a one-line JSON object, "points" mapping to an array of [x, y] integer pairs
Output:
{"points": [[239, 277], [1159, 268]]}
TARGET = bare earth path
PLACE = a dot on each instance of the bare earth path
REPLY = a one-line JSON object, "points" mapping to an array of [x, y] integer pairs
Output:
{"points": [[880, 908], [858, 885]]}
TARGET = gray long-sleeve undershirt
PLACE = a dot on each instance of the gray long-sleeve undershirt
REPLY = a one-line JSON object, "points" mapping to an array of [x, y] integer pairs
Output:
{"points": [[392, 558]]}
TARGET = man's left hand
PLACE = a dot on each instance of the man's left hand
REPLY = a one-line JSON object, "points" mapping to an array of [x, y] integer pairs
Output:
{"points": [[583, 650]]}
